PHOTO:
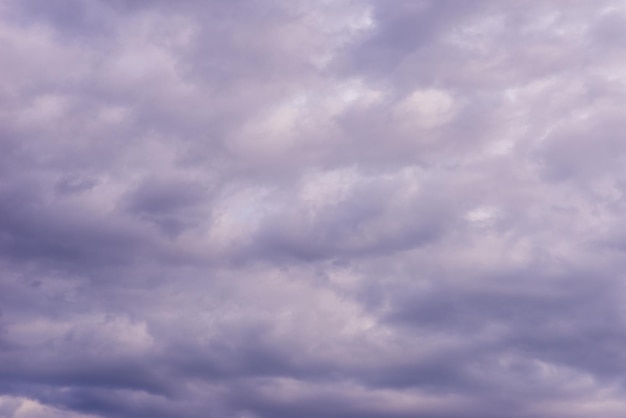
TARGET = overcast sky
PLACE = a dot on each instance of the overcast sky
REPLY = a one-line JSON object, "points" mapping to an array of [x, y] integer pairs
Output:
{"points": [[312, 209]]}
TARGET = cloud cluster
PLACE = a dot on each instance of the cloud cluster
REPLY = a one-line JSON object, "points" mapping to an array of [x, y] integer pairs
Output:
{"points": [[315, 209]]}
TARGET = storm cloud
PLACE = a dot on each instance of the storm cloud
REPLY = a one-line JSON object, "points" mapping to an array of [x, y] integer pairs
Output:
{"points": [[312, 209]]}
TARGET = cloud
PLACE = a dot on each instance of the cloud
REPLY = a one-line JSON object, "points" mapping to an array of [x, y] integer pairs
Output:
{"points": [[311, 208]]}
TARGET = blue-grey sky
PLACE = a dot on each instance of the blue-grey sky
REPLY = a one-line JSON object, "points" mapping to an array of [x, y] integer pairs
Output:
{"points": [[312, 209]]}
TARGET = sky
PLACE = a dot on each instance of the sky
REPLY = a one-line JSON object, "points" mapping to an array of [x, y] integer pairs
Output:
{"points": [[312, 209]]}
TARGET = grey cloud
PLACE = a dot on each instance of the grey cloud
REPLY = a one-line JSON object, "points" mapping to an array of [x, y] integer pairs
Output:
{"points": [[315, 209], [168, 205]]}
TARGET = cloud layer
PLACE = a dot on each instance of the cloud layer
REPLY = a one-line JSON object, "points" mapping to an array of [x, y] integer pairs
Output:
{"points": [[313, 209]]}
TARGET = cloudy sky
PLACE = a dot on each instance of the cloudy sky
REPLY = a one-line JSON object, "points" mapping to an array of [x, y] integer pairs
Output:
{"points": [[312, 208]]}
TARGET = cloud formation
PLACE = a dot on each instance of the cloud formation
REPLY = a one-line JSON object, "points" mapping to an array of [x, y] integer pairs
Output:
{"points": [[313, 209]]}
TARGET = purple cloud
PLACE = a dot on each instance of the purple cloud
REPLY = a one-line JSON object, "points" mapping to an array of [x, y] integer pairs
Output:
{"points": [[244, 209]]}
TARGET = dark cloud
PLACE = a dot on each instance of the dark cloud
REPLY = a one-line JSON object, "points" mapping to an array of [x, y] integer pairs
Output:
{"points": [[245, 209]]}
